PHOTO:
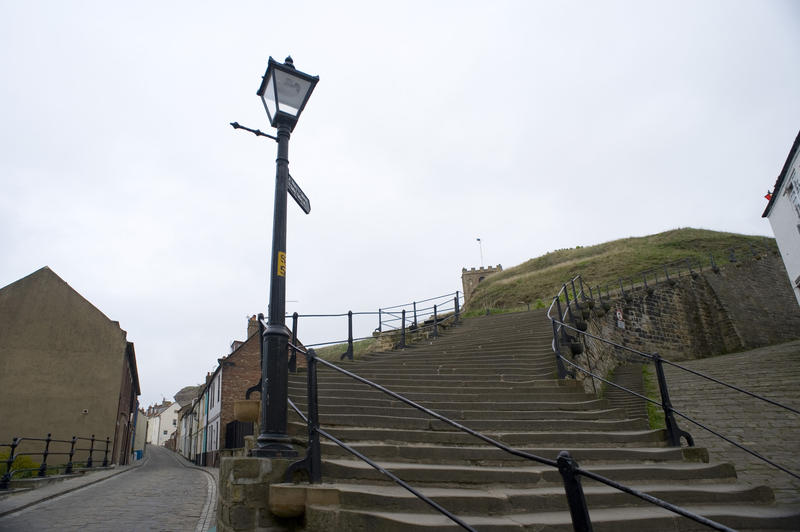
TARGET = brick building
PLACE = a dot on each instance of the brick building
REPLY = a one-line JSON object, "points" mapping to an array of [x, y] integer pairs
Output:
{"points": [[235, 373]]}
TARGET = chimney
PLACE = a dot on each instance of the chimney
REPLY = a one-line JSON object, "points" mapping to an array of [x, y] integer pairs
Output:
{"points": [[252, 325]]}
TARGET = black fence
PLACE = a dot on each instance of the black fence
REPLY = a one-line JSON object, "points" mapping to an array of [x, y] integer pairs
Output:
{"points": [[235, 431], [425, 315], [47, 448]]}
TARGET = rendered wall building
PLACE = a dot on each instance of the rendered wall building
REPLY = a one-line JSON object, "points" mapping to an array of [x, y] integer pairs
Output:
{"points": [[783, 213], [65, 368]]}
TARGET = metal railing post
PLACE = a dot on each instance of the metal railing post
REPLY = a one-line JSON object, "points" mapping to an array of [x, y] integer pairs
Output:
{"points": [[415, 315], [455, 302], [68, 470], [43, 467], [569, 308], [293, 358], [562, 371], [380, 320], [568, 468], [9, 461], [674, 433], [574, 294], [561, 318], [105, 454], [580, 283], [403, 331], [91, 451], [714, 266], [349, 352], [314, 451], [435, 323]]}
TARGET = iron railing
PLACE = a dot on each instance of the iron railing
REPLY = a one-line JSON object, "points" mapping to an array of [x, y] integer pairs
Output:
{"points": [[46, 452], [567, 466], [403, 318], [567, 328]]}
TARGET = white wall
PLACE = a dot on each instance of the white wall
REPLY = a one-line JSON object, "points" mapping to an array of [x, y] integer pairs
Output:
{"points": [[214, 410], [153, 426], [169, 423], [785, 222]]}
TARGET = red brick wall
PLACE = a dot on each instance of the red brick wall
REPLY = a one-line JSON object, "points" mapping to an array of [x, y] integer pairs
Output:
{"points": [[241, 370]]}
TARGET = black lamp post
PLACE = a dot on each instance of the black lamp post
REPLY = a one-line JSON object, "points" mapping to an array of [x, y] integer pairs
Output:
{"points": [[284, 91]]}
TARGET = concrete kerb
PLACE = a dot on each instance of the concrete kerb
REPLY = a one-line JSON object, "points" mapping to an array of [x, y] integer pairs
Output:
{"points": [[16, 502]]}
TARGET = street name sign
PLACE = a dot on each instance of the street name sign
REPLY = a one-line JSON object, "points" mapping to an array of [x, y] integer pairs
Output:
{"points": [[298, 195]]}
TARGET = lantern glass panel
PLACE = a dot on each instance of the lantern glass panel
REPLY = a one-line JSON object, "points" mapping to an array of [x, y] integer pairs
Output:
{"points": [[292, 92], [269, 98]]}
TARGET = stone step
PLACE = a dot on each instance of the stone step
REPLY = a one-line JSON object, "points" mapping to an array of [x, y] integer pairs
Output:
{"points": [[488, 455], [652, 519], [480, 425], [490, 365], [484, 361], [465, 502], [564, 438], [432, 386], [386, 401], [556, 395], [434, 379], [456, 415], [524, 475]]}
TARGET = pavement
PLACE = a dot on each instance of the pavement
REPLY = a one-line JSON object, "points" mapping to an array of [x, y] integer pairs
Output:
{"points": [[162, 492], [773, 432]]}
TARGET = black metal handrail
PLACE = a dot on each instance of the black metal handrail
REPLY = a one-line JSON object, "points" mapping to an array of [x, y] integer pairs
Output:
{"points": [[674, 433], [46, 452], [567, 466], [687, 418]]}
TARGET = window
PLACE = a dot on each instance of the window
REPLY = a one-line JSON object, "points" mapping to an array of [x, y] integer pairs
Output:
{"points": [[165, 433], [793, 190], [174, 422]]}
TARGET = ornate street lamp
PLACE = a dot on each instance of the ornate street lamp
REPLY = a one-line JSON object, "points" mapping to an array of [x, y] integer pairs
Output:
{"points": [[284, 91]]}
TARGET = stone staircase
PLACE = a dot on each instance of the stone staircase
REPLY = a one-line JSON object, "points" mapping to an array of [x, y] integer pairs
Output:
{"points": [[496, 374]]}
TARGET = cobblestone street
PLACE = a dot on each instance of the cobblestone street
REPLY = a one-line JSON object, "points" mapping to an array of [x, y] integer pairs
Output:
{"points": [[164, 494], [772, 372]]}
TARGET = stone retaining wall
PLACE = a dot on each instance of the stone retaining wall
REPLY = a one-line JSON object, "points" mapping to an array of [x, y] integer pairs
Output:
{"points": [[743, 305]]}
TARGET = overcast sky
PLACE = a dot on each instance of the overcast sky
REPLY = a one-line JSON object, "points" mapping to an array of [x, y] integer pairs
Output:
{"points": [[532, 125]]}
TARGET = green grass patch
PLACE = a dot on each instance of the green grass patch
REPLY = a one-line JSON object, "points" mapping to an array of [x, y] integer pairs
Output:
{"points": [[333, 353], [20, 462], [655, 415], [540, 278]]}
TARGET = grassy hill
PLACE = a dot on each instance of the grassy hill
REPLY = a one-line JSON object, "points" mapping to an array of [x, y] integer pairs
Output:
{"points": [[540, 278]]}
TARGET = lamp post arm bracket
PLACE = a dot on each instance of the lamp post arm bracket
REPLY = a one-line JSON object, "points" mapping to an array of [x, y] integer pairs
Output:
{"points": [[256, 132]]}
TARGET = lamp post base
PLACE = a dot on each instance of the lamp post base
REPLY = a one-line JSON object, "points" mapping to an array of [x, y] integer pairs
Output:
{"points": [[273, 446]]}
